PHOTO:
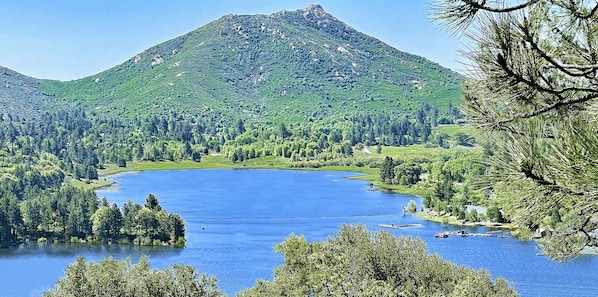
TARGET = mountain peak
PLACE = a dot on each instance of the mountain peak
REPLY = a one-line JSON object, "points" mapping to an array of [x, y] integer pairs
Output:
{"points": [[314, 11], [288, 66]]}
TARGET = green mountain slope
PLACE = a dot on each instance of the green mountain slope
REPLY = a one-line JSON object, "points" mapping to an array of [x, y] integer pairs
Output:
{"points": [[288, 66], [19, 94]]}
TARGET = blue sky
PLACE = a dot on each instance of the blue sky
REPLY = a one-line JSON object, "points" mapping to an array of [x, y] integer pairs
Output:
{"points": [[65, 39]]}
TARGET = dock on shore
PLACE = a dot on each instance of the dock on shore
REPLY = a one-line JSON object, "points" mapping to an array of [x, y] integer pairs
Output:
{"points": [[393, 226], [462, 233]]}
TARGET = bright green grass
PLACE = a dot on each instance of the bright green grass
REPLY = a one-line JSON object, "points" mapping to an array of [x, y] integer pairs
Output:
{"points": [[212, 161], [91, 184], [271, 162], [267, 162], [206, 162], [451, 130], [420, 151], [417, 150]]}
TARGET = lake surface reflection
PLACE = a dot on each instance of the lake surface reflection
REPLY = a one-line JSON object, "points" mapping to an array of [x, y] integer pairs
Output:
{"points": [[234, 217]]}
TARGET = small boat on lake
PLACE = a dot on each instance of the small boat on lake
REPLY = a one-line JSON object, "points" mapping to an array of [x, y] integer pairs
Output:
{"points": [[393, 226], [441, 235]]}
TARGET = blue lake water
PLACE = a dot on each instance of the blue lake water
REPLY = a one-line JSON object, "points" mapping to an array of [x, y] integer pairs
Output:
{"points": [[234, 217]]}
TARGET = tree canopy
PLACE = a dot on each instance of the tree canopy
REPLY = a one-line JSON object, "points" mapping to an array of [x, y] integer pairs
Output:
{"points": [[111, 277], [532, 90], [356, 262]]}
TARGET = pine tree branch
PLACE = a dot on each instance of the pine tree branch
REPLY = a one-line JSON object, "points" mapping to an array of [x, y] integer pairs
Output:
{"points": [[587, 236], [458, 15], [502, 62], [542, 181], [555, 106], [481, 5], [586, 69], [589, 15]]}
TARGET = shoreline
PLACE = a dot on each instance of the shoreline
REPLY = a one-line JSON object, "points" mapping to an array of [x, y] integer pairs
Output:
{"points": [[452, 220], [111, 174], [108, 178], [366, 174], [112, 181]]}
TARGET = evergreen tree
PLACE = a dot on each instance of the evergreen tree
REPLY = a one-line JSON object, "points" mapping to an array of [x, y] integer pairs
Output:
{"points": [[196, 156], [152, 203], [102, 224], [284, 132], [408, 173], [240, 127], [10, 220], [533, 92], [130, 228], [387, 172]]}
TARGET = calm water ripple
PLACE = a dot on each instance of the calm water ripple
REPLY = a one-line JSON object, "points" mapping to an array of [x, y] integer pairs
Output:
{"points": [[234, 217]]}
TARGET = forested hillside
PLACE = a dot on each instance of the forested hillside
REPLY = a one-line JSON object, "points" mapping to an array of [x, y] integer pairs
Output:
{"points": [[301, 89], [43, 157], [287, 67], [41, 160], [297, 88]]}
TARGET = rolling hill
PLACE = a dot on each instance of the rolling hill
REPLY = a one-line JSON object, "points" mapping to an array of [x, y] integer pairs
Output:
{"points": [[289, 66]]}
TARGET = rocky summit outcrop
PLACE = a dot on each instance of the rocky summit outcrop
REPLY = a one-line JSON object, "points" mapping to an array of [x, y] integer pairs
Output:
{"points": [[297, 65], [314, 11]]}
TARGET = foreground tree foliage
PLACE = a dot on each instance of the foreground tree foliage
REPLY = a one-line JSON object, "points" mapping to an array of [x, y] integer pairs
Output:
{"points": [[117, 278], [356, 262], [533, 91]]}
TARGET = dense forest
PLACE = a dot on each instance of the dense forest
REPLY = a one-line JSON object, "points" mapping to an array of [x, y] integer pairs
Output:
{"points": [[74, 215], [532, 95], [42, 156], [39, 159]]}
